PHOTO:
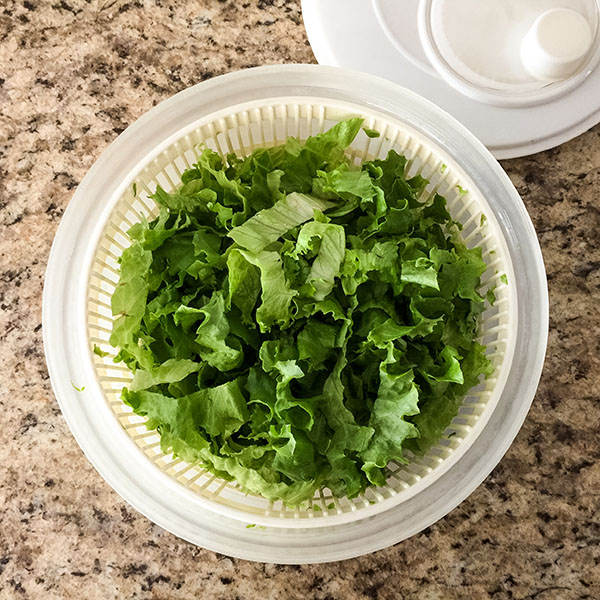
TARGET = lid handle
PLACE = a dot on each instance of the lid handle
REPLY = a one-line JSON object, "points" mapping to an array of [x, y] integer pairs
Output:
{"points": [[556, 44]]}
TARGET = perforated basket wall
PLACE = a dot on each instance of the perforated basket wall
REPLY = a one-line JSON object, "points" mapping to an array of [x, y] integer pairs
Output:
{"points": [[242, 130]]}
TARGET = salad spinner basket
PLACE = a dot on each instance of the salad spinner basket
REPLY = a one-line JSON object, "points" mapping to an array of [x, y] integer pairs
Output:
{"points": [[239, 113]]}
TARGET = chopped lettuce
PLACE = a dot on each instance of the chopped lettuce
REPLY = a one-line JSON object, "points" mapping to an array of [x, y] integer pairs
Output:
{"points": [[295, 322]]}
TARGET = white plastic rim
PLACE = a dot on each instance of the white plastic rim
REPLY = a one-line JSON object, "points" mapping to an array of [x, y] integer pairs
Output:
{"points": [[113, 451], [474, 85]]}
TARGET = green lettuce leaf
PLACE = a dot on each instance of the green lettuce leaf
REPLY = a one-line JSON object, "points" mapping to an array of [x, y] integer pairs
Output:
{"points": [[295, 322], [397, 398], [326, 265], [276, 292], [268, 225]]}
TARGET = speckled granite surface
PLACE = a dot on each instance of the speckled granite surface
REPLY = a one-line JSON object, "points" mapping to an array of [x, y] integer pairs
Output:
{"points": [[74, 74]]}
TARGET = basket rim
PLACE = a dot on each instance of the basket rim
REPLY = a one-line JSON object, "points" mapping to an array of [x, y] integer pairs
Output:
{"points": [[62, 320], [323, 519]]}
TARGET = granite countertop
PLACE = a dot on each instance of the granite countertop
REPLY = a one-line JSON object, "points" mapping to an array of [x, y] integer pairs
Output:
{"points": [[73, 75]]}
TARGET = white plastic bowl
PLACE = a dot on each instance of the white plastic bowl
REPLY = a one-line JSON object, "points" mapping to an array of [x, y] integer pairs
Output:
{"points": [[239, 112]]}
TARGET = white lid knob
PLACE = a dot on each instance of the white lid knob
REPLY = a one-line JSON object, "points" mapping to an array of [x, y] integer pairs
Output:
{"points": [[556, 44]]}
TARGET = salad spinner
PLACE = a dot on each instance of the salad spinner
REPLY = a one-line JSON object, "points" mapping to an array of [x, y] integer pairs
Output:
{"points": [[238, 113]]}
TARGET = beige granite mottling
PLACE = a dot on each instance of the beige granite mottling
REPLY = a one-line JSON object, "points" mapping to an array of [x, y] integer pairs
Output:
{"points": [[73, 75]]}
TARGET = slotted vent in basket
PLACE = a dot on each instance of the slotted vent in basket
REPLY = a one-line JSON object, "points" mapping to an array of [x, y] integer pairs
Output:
{"points": [[242, 130]]}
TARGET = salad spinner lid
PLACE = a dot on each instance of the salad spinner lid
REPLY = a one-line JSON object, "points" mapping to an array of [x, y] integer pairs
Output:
{"points": [[510, 52], [523, 76]]}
